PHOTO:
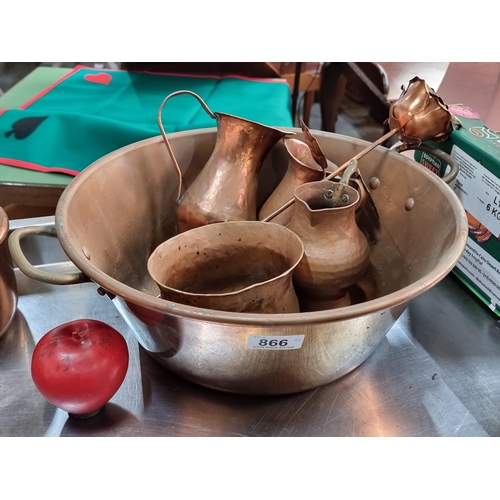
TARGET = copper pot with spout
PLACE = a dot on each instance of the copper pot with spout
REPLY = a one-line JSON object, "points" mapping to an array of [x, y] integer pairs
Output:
{"points": [[110, 219], [336, 252]]}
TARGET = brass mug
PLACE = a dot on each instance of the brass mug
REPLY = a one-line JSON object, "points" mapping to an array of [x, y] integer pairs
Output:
{"points": [[8, 285]]}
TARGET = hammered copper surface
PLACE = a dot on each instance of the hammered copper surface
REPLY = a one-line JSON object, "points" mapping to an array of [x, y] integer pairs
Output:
{"points": [[8, 285], [122, 207], [336, 252], [239, 266], [420, 114], [302, 168], [226, 188], [434, 374]]}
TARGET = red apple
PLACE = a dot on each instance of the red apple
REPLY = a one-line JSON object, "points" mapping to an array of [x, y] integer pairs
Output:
{"points": [[79, 366]]}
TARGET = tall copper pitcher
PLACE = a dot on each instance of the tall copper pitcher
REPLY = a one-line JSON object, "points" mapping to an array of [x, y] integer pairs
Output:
{"points": [[336, 252], [226, 188]]}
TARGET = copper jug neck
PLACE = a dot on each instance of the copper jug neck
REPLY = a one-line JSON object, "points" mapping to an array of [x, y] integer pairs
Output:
{"points": [[318, 201], [301, 160], [239, 139]]}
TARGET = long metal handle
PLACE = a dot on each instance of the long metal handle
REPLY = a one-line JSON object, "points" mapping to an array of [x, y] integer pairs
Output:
{"points": [[164, 135], [451, 175], [338, 171], [31, 271]]}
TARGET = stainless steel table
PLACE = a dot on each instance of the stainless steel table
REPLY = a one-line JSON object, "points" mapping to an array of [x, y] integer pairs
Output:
{"points": [[437, 373]]}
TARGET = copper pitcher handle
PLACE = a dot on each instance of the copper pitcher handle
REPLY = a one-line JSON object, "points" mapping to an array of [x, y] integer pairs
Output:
{"points": [[164, 135]]}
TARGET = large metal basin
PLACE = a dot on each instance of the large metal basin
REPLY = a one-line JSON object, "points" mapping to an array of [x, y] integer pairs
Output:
{"points": [[114, 214]]}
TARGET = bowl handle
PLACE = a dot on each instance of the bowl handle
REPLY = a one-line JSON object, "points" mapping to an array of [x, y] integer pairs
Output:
{"points": [[31, 271], [451, 175], [164, 135]]}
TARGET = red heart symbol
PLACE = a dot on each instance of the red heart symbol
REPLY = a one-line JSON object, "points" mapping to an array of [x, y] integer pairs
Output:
{"points": [[102, 78]]}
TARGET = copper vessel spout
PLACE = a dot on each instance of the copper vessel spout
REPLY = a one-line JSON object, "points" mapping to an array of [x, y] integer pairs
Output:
{"points": [[238, 266], [302, 168]]}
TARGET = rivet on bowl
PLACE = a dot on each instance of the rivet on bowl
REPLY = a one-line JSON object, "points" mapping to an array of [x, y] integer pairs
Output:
{"points": [[410, 203], [374, 182], [86, 253]]}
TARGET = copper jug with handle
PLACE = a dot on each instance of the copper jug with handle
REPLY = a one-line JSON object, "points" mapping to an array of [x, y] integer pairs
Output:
{"points": [[226, 187], [336, 252]]}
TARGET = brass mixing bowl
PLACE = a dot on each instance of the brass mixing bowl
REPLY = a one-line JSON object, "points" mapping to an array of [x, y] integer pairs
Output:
{"points": [[117, 211]]}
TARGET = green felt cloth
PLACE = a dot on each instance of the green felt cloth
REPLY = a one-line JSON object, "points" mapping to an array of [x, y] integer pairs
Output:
{"points": [[91, 112]]}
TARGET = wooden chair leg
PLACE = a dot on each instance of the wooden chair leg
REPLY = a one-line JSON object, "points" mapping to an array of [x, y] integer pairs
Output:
{"points": [[307, 106], [333, 83], [371, 91]]}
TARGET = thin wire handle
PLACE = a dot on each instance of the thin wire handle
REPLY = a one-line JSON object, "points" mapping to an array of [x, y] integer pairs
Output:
{"points": [[164, 135]]}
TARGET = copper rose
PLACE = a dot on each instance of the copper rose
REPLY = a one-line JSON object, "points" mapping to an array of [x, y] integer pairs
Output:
{"points": [[420, 114]]}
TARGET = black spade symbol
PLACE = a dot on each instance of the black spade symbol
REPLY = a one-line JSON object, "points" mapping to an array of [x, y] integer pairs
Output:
{"points": [[25, 126]]}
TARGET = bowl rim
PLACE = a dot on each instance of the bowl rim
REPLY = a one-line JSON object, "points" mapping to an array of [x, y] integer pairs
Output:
{"points": [[379, 305]]}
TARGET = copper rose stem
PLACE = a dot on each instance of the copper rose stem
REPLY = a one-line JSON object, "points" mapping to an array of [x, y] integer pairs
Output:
{"points": [[337, 172], [362, 153]]}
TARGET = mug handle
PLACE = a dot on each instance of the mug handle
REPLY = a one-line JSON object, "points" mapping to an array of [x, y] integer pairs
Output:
{"points": [[164, 135]]}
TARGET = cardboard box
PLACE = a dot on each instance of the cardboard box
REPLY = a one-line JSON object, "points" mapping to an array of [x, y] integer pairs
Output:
{"points": [[476, 148]]}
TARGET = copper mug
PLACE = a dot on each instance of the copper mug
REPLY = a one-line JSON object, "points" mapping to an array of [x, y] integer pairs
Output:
{"points": [[236, 266], [8, 285]]}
